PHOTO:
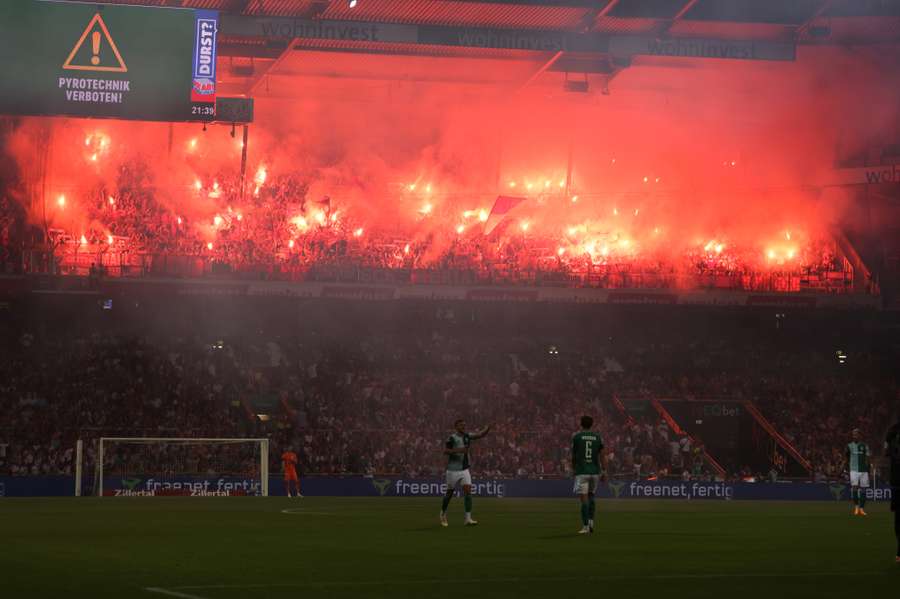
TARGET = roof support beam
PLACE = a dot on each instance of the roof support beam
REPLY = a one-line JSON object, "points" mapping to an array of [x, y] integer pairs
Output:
{"points": [[315, 9], [678, 16], [255, 84], [805, 25], [684, 10], [541, 70], [236, 7], [607, 9], [591, 19]]}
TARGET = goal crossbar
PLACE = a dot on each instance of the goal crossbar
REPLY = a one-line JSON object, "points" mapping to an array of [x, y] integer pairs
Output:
{"points": [[263, 453], [186, 440]]}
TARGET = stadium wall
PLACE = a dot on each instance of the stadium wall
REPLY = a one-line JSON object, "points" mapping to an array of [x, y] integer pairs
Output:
{"points": [[126, 287], [359, 486]]}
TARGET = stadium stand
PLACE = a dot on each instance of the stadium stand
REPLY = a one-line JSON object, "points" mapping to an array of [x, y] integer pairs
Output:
{"points": [[357, 398]]}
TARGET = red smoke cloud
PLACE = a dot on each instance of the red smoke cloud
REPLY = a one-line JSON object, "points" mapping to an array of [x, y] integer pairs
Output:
{"points": [[682, 153]]}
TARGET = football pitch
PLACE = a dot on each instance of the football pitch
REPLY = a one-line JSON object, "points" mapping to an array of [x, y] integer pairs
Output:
{"points": [[223, 548]]}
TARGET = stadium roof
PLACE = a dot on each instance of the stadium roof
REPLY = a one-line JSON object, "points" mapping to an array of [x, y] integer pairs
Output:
{"points": [[832, 21], [259, 39]]}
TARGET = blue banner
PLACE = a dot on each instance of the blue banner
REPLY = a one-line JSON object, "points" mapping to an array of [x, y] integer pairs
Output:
{"points": [[398, 487], [206, 24], [362, 486]]}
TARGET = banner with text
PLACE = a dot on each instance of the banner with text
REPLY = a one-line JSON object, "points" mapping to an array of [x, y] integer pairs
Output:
{"points": [[286, 28], [363, 486], [864, 175], [90, 60], [701, 48]]}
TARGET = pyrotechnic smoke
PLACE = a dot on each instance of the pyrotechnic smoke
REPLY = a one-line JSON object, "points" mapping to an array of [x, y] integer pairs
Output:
{"points": [[680, 154]]}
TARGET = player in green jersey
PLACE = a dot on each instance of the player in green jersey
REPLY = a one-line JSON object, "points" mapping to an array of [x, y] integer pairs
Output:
{"points": [[858, 464], [457, 451], [587, 449]]}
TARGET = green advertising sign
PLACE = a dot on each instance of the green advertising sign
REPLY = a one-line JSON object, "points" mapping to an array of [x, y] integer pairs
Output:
{"points": [[90, 60]]}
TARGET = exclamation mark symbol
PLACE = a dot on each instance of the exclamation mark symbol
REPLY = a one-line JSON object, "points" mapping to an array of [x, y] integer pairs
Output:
{"points": [[95, 41]]}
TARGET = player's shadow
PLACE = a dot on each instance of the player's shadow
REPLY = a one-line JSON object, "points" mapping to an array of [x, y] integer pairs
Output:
{"points": [[557, 537]]}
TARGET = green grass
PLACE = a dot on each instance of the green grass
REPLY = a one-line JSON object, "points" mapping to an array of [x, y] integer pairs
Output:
{"points": [[222, 548]]}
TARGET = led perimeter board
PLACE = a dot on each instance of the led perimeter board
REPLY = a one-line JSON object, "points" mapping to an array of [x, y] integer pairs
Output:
{"points": [[113, 61]]}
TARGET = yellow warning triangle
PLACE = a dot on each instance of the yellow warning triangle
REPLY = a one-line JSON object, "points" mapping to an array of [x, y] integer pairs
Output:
{"points": [[95, 58]]}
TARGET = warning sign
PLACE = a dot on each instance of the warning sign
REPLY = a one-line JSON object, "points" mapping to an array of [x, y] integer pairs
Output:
{"points": [[95, 50], [106, 59]]}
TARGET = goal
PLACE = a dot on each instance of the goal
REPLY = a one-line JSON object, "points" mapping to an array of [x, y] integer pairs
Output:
{"points": [[152, 466]]}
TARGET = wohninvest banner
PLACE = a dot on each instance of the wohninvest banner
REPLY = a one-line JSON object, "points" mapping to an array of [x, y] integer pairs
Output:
{"points": [[886, 174]]}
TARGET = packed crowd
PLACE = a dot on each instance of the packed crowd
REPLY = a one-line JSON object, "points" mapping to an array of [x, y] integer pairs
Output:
{"points": [[12, 218], [56, 390], [274, 231], [382, 403], [816, 418], [371, 420], [813, 397], [532, 418]]}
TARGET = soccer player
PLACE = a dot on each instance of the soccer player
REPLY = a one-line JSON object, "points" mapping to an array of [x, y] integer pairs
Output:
{"points": [[587, 447], [289, 463], [457, 452], [892, 451], [858, 462]]}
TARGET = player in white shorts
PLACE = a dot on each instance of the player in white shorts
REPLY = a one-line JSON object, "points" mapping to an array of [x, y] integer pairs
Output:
{"points": [[457, 452], [858, 463], [455, 478]]}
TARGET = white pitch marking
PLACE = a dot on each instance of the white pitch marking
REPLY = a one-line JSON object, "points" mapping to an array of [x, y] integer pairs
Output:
{"points": [[301, 511], [163, 591], [347, 583]]}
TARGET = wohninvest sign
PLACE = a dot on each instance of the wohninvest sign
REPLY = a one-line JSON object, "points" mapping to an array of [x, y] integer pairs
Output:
{"points": [[108, 61], [865, 175]]}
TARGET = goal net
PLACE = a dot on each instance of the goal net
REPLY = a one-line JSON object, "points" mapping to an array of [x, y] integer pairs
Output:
{"points": [[148, 466]]}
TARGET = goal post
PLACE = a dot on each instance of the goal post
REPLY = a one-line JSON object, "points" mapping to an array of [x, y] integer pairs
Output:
{"points": [[79, 457], [142, 466]]}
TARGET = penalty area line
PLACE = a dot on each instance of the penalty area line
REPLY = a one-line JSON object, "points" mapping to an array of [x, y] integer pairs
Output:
{"points": [[513, 580], [162, 591]]}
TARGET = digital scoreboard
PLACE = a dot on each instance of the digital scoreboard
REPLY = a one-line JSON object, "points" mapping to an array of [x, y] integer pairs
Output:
{"points": [[94, 60]]}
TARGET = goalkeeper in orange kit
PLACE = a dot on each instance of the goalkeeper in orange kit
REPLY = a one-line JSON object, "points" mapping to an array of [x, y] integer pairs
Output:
{"points": [[289, 463]]}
